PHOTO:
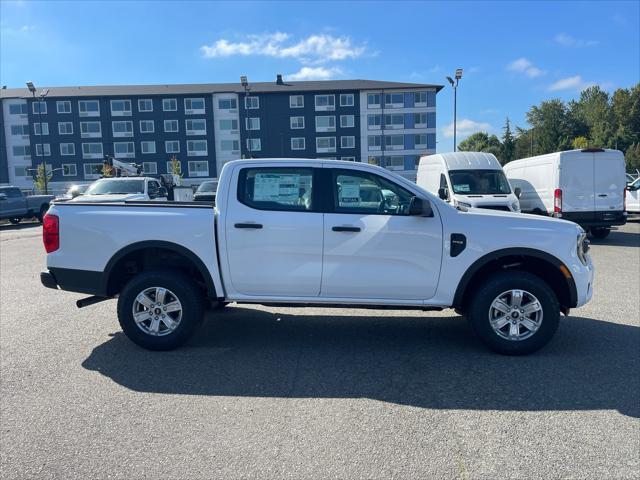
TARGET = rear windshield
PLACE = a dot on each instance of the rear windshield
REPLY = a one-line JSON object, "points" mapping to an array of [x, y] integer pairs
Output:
{"points": [[112, 187], [207, 187], [479, 182]]}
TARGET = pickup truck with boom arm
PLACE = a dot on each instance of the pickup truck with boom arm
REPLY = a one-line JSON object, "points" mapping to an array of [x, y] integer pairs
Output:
{"points": [[310, 232]]}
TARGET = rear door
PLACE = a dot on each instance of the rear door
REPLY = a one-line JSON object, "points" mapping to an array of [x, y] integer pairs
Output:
{"points": [[577, 182], [273, 232], [609, 181]]}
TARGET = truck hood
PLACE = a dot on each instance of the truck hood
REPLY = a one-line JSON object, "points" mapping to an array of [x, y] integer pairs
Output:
{"points": [[487, 200], [109, 198], [518, 219]]}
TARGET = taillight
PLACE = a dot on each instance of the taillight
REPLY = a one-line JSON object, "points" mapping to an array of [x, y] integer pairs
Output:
{"points": [[51, 233], [557, 202], [624, 199]]}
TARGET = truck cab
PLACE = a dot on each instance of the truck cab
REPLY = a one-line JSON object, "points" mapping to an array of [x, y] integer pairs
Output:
{"points": [[121, 189]]}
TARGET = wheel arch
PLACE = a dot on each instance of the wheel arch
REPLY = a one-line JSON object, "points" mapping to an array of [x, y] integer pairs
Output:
{"points": [[548, 267]]}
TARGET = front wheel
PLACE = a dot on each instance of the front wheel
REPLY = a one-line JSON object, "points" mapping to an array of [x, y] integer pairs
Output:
{"points": [[15, 221], [160, 310], [514, 313], [600, 233]]}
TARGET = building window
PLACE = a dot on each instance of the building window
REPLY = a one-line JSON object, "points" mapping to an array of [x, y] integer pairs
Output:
{"points": [[395, 120], [69, 170], [373, 160], [21, 150], [227, 104], [172, 146], [296, 123], [21, 171], [92, 170], [20, 130], [298, 143], [170, 166], [373, 100], [147, 126], [89, 108], [199, 169], [251, 102], [67, 149], [252, 123], [43, 149], [254, 144], [346, 100], [170, 126], [325, 144], [326, 123], [149, 168], [63, 106], [90, 129], [347, 142], [145, 105], [196, 126], [374, 142], [92, 150], [122, 128], [348, 159], [420, 120], [124, 149], [169, 104], [18, 109], [394, 142], [196, 148], [120, 108], [394, 100], [194, 106], [374, 121], [41, 128], [65, 128], [420, 141], [395, 162], [325, 102], [296, 101], [40, 107], [347, 121], [229, 125], [229, 145], [148, 147], [420, 99]]}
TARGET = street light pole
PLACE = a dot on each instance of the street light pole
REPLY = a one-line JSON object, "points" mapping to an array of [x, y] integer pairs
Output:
{"points": [[454, 84], [43, 94], [245, 84]]}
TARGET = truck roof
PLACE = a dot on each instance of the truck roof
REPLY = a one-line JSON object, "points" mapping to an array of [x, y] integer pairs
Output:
{"points": [[465, 160]]}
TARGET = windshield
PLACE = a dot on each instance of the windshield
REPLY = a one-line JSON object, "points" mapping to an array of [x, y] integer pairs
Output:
{"points": [[207, 187], [106, 187], [479, 182], [78, 189]]}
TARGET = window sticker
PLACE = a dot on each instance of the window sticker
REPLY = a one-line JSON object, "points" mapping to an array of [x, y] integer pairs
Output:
{"points": [[349, 191], [286, 189], [463, 187]]}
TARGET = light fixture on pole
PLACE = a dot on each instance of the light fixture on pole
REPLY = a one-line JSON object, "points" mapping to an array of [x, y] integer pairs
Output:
{"points": [[245, 84], [454, 84], [31, 87]]}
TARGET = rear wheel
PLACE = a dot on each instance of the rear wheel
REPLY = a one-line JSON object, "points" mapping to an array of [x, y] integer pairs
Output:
{"points": [[600, 233], [43, 211], [15, 221], [160, 310], [514, 313]]}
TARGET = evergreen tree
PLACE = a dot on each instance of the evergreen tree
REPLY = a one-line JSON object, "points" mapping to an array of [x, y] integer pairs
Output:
{"points": [[508, 143]]}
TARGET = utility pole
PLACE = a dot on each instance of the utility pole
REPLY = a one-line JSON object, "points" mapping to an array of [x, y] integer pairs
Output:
{"points": [[454, 84], [43, 94]]}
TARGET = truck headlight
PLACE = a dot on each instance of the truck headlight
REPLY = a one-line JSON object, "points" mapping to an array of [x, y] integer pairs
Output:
{"points": [[583, 247]]}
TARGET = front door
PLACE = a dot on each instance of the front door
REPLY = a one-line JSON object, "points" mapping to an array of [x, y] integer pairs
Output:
{"points": [[274, 233], [372, 248]]}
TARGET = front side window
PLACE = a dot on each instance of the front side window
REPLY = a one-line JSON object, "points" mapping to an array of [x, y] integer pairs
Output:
{"points": [[273, 188], [479, 182], [121, 108], [368, 194]]}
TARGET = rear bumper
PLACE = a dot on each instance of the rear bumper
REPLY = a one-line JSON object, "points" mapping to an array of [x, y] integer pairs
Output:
{"points": [[48, 280], [596, 219], [81, 281]]}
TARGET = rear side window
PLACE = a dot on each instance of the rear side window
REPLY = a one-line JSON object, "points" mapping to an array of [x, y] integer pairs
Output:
{"points": [[11, 192], [273, 188]]}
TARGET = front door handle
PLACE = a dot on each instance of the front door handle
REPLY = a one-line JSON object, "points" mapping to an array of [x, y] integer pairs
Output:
{"points": [[248, 225], [346, 229], [602, 195]]}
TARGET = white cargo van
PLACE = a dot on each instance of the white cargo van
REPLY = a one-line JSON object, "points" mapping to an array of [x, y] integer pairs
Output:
{"points": [[468, 179], [584, 186]]}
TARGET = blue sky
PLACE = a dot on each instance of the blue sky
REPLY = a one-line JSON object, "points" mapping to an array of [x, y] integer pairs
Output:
{"points": [[513, 54]]}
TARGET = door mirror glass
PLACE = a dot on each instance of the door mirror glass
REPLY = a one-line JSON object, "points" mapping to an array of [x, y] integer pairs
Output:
{"points": [[517, 192], [443, 193], [420, 207]]}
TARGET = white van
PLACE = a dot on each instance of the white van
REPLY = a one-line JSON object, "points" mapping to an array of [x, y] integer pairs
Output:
{"points": [[584, 186], [468, 179]]}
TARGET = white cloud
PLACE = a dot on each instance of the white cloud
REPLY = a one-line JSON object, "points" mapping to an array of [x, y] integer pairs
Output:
{"points": [[576, 83], [314, 73], [465, 128], [569, 41], [314, 49], [524, 66]]}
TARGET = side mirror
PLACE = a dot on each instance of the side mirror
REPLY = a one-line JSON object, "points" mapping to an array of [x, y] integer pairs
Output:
{"points": [[443, 193], [419, 207], [162, 192], [631, 188], [517, 192], [3, 196]]}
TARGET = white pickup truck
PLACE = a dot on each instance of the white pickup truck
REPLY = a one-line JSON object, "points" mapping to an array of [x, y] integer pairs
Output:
{"points": [[310, 232]]}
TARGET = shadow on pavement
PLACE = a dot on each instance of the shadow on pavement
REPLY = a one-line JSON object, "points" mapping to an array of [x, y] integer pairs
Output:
{"points": [[619, 238], [422, 362], [19, 226]]}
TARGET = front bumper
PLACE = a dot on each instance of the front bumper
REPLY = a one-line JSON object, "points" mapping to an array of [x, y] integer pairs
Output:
{"points": [[583, 276]]}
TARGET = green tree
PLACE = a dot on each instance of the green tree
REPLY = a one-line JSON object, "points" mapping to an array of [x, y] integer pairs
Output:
{"points": [[580, 142], [508, 143], [175, 166], [39, 181], [107, 170], [523, 143], [482, 142], [594, 110], [632, 157], [551, 129]]}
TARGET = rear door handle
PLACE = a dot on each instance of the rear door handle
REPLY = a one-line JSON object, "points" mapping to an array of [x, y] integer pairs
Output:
{"points": [[346, 229], [248, 225], [602, 195]]}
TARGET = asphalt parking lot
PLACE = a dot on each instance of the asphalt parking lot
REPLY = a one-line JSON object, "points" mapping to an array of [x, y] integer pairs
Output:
{"points": [[315, 393]]}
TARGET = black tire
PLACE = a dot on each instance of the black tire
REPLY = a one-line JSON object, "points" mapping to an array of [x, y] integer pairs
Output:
{"points": [[185, 290], [478, 312], [43, 211], [15, 221], [218, 305], [600, 233]]}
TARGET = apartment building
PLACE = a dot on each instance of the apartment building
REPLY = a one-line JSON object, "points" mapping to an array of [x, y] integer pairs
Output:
{"points": [[72, 129]]}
